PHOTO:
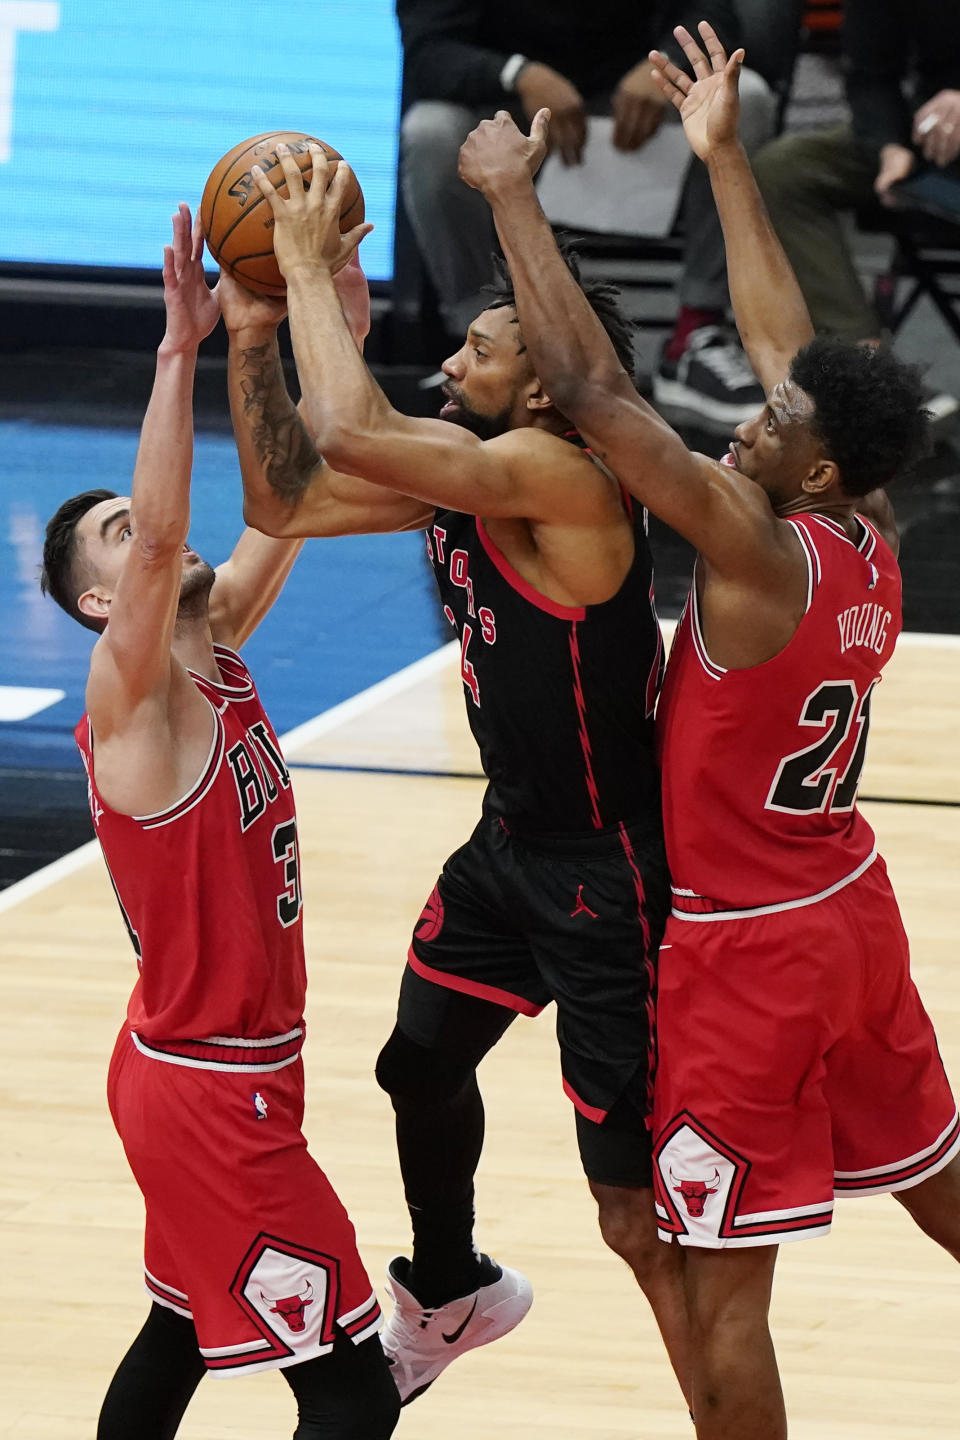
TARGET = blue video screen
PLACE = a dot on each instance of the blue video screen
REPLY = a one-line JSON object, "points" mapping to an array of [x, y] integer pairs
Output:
{"points": [[111, 112]]}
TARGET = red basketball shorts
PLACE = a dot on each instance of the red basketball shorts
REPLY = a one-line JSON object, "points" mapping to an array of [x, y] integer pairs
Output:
{"points": [[244, 1232], [796, 1063]]}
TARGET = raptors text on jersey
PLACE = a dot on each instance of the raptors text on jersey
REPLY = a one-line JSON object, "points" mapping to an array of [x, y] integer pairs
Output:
{"points": [[560, 698]]}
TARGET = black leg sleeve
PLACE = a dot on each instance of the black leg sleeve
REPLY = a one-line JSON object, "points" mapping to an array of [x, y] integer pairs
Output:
{"points": [[154, 1381], [346, 1395]]}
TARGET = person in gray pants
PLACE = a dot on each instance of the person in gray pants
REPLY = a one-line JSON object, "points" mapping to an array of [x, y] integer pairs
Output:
{"points": [[464, 59], [903, 86]]}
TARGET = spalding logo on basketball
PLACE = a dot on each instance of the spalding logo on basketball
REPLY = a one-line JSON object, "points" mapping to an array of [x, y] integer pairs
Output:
{"points": [[238, 222]]}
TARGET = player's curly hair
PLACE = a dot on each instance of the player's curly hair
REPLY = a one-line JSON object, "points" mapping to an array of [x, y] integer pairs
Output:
{"points": [[869, 413], [604, 300], [60, 575]]}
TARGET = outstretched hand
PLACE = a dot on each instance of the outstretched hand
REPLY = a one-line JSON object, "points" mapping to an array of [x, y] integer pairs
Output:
{"points": [[497, 152], [192, 308], [307, 224], [709, 104]]}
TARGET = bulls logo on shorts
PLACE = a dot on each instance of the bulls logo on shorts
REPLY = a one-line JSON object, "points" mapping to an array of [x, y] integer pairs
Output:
{"points": [[431, 919], [698, 1182], [291, 1294]]}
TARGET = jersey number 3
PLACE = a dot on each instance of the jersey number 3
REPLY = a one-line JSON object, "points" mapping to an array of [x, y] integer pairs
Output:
{"points": [[287, 854], [810, 781]]}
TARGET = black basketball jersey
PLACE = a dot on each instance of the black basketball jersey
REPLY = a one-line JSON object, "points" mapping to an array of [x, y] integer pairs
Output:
{"points": [[560, 698]]}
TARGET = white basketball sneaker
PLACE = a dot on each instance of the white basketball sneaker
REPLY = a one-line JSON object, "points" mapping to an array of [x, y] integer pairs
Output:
{"points": [[420, 1342]]}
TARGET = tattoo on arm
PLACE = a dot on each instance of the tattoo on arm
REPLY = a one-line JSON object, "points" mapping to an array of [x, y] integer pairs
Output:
{"points": [[281, 440]]}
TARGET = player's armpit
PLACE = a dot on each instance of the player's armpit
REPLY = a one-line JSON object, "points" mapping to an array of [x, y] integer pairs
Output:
{"points": [[147, 755], [248, 584]]}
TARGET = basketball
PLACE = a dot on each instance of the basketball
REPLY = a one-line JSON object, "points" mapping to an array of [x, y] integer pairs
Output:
{"points": [[238, 222]]}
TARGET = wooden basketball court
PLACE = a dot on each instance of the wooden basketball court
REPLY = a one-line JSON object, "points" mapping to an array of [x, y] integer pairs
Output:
{"points": [[867, 1321]]}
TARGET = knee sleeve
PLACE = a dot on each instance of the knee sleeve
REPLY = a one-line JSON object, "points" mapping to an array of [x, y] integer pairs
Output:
{"points": [[412, 1072], [346, 1395]]}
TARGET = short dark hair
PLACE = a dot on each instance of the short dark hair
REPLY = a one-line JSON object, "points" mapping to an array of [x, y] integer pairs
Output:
{"points": [[868, 409], [604, 300], [60, 576]]}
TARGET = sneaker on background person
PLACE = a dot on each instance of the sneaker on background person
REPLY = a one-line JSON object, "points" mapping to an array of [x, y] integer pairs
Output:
{"points": [[420, 1341], [939, 404], [704, 372]]}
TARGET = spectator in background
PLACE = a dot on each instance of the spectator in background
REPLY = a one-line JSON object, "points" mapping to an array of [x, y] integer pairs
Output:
{"points": [[464, 59], [902, 66]]}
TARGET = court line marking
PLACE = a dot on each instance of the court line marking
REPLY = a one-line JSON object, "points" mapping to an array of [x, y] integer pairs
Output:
{"points": [[415, 773], [358, 704], [328, 720], [22, 702], [293, 740]]}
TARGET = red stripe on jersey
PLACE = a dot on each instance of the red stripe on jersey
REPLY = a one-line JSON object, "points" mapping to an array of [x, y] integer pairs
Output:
{"points": [[523, 587], [582, 733]]}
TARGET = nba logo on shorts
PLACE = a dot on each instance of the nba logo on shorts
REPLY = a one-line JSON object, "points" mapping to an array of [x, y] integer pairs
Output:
{"points": [[260, 1106]]}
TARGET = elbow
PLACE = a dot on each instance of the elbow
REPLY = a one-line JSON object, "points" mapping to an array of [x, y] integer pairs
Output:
{"points": [[268, 520], [345, 450], [576, 393], [160, 547]]}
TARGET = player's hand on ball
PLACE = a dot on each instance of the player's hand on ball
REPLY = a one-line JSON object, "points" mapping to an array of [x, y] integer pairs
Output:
{"points": [[192, 308], [497, 152], [306, 226], [243, 310]]}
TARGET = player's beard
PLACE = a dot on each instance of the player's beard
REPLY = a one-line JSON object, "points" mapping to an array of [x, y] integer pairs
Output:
{"points": [[485, 427], [196, 583]]}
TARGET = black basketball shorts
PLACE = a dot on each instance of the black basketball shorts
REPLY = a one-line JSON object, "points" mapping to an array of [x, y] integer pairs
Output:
{"points": [[575, 920]]}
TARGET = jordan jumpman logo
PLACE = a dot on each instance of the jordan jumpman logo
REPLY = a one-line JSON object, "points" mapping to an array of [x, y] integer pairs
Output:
{"points": [[581, 907]]}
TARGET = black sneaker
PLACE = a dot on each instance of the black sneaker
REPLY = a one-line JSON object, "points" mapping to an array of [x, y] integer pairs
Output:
{"points": [[711, 381]]}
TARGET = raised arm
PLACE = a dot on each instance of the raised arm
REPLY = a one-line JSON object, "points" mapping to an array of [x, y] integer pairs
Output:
{"points": [[768, 305], [131, 665], [575, 360], [353, 423], [287, 487]]}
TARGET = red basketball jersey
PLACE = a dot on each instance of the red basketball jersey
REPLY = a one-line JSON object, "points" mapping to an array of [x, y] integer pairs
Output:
{"points": [[761, 766], [210, 891]]}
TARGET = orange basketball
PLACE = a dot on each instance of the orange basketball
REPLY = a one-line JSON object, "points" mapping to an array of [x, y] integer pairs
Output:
{"points": [[238, 221]]}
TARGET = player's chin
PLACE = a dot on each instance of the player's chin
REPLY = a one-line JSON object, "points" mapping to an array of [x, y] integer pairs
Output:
{"points": [[196, 576]]}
